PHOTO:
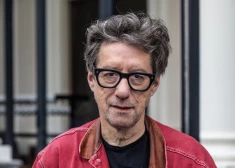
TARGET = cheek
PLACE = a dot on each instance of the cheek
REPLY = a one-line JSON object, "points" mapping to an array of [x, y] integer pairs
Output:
{"points": [[142, 100], [100, 97]]}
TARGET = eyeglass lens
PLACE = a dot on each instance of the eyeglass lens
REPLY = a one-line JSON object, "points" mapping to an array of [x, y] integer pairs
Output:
{"points": [[111, 79]]}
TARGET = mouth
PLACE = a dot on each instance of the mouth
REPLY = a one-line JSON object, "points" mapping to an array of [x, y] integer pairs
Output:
{"points": [[122, 108]]}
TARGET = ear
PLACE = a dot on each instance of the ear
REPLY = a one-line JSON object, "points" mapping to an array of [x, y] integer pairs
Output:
{"points": [[155, 85], [91, 80]]}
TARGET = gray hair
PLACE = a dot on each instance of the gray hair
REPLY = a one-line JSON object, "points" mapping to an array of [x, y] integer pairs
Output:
{"points": [[150, 35]]}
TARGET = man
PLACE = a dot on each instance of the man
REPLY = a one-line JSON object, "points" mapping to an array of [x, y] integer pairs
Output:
{"points": [[125, 57]]}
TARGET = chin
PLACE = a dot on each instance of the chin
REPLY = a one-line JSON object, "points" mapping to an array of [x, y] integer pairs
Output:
{"points": [[122, 127], [121, 124]]}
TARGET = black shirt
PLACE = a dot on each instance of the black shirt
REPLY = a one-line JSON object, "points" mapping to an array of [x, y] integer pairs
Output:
{"points": [[134, 155]]}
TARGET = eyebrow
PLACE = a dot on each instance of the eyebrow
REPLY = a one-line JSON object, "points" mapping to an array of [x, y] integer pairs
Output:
{"points": [[132, 70]]}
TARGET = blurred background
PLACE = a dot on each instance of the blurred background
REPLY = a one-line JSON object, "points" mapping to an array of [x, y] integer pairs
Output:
{"points": [[43, 85]]}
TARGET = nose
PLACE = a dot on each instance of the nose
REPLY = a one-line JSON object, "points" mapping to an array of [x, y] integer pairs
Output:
{"points": [[123, 89]]}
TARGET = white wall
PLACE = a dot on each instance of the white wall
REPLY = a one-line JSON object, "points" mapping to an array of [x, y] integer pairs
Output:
{"points": [[165, 105], [24, 66], [59, 65], [24, 48], [217, 64], [217, 79]]}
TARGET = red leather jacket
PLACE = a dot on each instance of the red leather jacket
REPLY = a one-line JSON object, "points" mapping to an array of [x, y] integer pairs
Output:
{"points": [[82, 148]]}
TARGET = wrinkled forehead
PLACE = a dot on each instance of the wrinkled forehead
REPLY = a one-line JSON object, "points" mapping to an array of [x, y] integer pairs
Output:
{"points": [[106, 44], [122, 56]]}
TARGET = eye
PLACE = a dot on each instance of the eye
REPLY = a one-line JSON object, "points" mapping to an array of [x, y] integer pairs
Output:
{"points": [[110, 74], [108, 77], [138, 76]]}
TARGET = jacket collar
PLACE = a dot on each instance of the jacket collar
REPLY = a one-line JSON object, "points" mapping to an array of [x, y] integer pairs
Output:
{"points": [[92, 142], [157, 144]]}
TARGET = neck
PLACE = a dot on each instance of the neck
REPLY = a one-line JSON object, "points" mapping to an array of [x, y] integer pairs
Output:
{"points": [[122, 137]]}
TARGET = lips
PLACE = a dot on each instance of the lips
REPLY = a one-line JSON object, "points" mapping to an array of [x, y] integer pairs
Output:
{"points": [[122, 108]]}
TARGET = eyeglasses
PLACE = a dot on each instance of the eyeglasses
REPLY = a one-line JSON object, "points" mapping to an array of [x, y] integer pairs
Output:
{"points": [[137, 81]]}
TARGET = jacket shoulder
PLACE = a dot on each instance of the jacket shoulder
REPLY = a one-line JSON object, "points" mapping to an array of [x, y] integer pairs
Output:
{"points": [[182, 147], [64, 144], [77, 132]]}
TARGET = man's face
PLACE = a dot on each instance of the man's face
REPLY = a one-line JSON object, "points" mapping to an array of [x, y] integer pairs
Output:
{"points": [[121, 107]]}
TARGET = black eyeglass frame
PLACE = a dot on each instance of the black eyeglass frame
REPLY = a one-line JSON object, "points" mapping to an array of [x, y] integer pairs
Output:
{"points": [[124, 75]]}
